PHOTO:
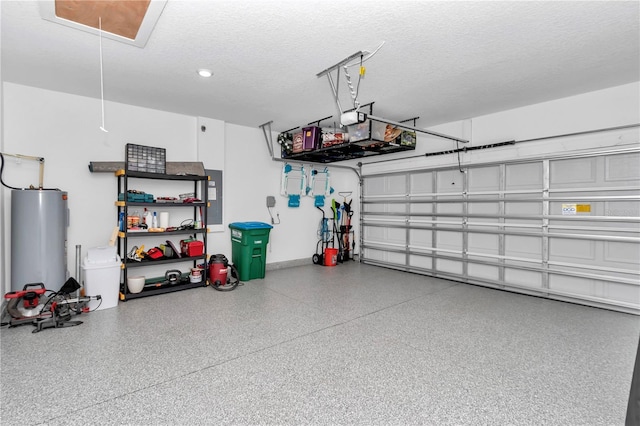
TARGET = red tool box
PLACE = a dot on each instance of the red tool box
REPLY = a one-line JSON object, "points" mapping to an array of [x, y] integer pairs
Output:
{"points": [[191, 248]]}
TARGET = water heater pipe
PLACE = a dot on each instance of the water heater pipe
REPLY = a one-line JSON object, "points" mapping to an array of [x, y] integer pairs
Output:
{"points": [[30, 157]]}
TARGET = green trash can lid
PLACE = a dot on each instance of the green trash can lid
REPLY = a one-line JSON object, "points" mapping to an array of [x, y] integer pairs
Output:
{"points": [[246, 226]]}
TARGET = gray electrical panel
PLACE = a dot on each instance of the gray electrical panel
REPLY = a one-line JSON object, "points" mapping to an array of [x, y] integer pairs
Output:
{"points": [[214, 211]]}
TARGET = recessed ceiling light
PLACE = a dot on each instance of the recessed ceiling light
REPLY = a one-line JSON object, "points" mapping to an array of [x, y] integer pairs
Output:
{"points": [[205, 72]]}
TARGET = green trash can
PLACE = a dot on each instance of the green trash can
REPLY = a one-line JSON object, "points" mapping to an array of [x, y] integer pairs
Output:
{"points": [[249, 248]]}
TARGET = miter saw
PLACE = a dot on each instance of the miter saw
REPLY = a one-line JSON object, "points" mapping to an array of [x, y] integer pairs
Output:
{"points": [[31, 305]]}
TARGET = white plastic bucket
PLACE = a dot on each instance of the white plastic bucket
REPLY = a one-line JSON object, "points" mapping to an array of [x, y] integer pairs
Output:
{"points": [[102, 254], [102, 279]]}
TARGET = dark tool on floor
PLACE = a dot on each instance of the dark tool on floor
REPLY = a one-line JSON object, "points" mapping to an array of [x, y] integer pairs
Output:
{"points": [[32, 306], [223, 276], [324, 236]]}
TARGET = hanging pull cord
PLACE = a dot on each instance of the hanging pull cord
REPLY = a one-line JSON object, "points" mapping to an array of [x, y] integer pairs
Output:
{"points": [[101, 76]]}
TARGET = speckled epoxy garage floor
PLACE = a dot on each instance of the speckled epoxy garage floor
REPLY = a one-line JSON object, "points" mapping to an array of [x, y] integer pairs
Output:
{"points": [[353, 344]]}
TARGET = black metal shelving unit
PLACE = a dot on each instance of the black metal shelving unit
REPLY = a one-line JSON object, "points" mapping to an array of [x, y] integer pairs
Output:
{"points": [[346, 151], [159, 285], [364, 142]]}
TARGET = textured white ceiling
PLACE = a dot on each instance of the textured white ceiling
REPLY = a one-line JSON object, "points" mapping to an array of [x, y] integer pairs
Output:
{"points": [[441, 61]]}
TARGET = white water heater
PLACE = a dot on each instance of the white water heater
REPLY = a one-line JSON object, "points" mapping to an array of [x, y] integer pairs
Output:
{"points": [[39, 221]]}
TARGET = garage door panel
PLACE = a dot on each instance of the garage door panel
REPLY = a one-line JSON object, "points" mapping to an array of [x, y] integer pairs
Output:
{"points": [[396, 258], [622, 292], [450, 208], [396, 208], [484, 208], [449, 181], [421, 208], [396, 236], [374, 186], [484, 271], [421, 238], [575, 172], [525, 176], [449, 240], [372, 233], [522, 208], [621, 208], [622, 254], [563, 249], [422, 262], [519, 246], [563, 227], [622, 168], [523, 225], [449, 266], [373, 254], [483, 243], [594, 288], [575, 286], [523, 278], [421, 183], [376, 208], [396, 185], [484, 179]]}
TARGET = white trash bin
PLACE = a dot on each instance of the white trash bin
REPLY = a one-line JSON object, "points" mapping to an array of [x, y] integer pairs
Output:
{"points": [[102, 278]]}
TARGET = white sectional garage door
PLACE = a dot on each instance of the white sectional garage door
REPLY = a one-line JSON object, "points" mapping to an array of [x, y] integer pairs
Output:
{"points": [[565, 227]]}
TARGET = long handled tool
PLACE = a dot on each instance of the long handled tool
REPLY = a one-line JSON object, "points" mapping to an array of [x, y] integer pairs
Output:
{"points": [[345, 225], [335, 207], [346, 231]]}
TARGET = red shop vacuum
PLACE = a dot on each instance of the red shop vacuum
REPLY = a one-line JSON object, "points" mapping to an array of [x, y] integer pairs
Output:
{"points": [[223, 276]]}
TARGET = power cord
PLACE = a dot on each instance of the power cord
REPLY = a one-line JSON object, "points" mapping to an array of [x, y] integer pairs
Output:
{"points": [[1, 171], [273, 222]]}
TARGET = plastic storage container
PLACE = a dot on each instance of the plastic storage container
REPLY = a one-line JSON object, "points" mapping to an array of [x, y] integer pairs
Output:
{"points": [[102, 254], [102, 278], [249, 243]]}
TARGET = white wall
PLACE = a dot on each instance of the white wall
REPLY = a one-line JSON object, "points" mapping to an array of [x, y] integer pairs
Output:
{"points": [[211, 143], [251, 179], [64, 129], [617, 106]]}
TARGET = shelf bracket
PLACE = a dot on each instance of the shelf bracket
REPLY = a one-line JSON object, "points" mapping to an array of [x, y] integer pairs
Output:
{"points": [[266, 130], [416, 129], [335, 86], [334, 92]]}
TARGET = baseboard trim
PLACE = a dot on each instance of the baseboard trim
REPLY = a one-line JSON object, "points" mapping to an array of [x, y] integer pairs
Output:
{"points": [[294, 263], [288, 264]]}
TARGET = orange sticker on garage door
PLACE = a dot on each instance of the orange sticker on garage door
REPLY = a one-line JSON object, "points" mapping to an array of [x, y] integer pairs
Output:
{"points": [[583, 208]]}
